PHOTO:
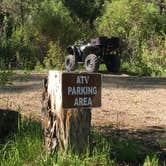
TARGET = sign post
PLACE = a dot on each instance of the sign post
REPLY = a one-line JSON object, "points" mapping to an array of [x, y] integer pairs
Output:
{"points": [[81, 90], [70, 97]]}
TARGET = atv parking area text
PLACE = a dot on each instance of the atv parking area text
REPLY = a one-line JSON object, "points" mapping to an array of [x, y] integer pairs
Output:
{"points": [[81, 90]]}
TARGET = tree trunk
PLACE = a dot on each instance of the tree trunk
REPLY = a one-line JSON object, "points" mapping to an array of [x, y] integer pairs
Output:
{"points": [[74, 130], [68, 129]]}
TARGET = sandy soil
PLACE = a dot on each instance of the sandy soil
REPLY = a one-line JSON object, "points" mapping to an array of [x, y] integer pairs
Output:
{"points": [[23, 93], [132, 102]]}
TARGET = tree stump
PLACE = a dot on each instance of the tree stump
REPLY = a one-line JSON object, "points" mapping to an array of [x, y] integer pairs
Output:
{"points": [[63, 128]]}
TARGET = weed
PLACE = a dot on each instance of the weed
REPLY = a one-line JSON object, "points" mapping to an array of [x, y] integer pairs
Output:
{"points": [[151, 161], [26, 148], [5, 77]]}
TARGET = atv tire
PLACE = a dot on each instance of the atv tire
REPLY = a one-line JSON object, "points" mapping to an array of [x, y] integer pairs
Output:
{"points": [[91, 63], [70, 63], [113, 63]]}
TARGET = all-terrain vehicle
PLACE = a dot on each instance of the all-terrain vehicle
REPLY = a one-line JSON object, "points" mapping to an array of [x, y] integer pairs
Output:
{"points": [[97, 51]]}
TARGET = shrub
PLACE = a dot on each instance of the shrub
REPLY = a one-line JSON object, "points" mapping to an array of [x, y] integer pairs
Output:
{"points": [[153, 60], [55, 56], [142, 32], [5, 77]]}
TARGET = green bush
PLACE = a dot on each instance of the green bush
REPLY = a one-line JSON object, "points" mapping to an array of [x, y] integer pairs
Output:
{"points": [[142, 31], [5, 77], [55, 56], [153, 58]]}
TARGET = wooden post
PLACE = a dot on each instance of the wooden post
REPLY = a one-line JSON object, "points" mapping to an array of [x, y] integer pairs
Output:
{"points": [[64, 128]]}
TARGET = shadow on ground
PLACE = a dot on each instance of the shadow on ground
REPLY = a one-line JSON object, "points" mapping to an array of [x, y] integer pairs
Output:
{"points": [[132, 146], [21, 88], [23, 82], [135, 82], [31, 82], [28, 77]]}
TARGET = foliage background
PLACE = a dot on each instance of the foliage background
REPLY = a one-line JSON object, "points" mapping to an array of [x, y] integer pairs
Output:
{"points": [[34, 34]]}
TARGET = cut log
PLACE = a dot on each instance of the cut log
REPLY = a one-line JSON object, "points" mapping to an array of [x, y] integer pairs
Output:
{"points": [[8, 122], [63, 128]]}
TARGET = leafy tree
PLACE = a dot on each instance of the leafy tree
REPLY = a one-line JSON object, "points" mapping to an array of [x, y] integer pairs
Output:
{"points": [[30, 31], [15, 46], [54, 22], [84, 9]]}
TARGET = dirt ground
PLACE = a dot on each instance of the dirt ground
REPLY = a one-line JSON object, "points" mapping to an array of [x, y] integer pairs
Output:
{"points": [[135, 105], [132, 102]]}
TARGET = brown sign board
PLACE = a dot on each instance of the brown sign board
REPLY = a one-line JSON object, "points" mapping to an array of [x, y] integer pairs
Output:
{"points": [[81, 90]]}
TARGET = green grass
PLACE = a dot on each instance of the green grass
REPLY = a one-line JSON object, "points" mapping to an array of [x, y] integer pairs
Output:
{"points": [[151, 161], [5, 76], [140, 70], [26, 148]]}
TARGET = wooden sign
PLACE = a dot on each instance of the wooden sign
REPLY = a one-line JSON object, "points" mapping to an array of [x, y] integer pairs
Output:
{"points": [[81, 90]]}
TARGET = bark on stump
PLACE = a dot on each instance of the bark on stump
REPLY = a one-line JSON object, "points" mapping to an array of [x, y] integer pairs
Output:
{"points": [[68, 129]]}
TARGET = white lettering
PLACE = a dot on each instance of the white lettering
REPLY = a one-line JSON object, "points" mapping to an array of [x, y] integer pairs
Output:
{"points": [[85, 101], [82, 79], [94, 90], [81, 101], [74, 91], [69, 90], [76, 103], [86, 79], [78, 90], [83, 90], [78, 80]]}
